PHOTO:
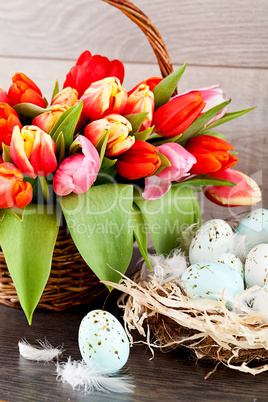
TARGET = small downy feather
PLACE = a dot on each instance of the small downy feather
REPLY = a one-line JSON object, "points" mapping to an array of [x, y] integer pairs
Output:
{"points": [[43, 353], [81, 376]]}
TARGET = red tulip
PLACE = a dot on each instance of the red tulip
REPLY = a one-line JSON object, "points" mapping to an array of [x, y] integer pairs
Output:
{"points": [[14, 192], [246, 192], [3, 95], [178, 114], [151, 82], [118, 127], [211, 154], [104, 97], [78, 172], [141, 160], [66, 97], [89, 69], [24, 90], [8, 120], [141, 100], [46, 120], [33, 151]]}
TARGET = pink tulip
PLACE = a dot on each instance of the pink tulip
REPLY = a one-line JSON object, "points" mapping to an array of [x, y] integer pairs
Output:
{"points": [[3, 95], [141, 100], [104, 97], [246, 191], [181, 162], [78, 172], [46, 120], [33, 151], [212, 96], [118, 127]]}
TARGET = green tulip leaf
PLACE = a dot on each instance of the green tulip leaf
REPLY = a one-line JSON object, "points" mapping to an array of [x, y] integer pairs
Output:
{"points": [[60, 148], [67, 124], [100, 223], [205, 180], [28, 248], [229, 116], [140, 233], [164, 90], [144, 135], [29, 109], [55, 90], [136, 120], [6, 153], [107, 163], [164, 163], [2, 214], [101, 145], [169, 216], [16, 213]]}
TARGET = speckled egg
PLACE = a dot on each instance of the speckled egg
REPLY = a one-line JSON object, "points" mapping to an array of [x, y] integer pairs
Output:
{"points": [[212, 239], [233, 262], [103, 342], [256, 266], [209, 280], [255, 227]]}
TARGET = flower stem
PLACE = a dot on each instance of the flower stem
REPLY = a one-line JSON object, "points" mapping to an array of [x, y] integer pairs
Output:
{"points": [[44, 187]]}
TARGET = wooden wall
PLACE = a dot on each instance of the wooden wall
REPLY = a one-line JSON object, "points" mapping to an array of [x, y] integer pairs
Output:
{"points": [[224, 42]]}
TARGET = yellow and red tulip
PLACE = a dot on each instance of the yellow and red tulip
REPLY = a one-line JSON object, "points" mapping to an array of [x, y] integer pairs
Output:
{"points": [[141, 160], [211, 154], [246, 192], [141, 100], [66, 97], [33, 151], [46, 120], [178, 114], [118, 127], [8, 120], [152, 82], [89, 69], [104, 97], [78, 172], [14, 192], [24, 90]]}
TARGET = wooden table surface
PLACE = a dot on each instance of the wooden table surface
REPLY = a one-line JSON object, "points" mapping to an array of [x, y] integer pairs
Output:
{"points": [[225, 43], [172, 376]]}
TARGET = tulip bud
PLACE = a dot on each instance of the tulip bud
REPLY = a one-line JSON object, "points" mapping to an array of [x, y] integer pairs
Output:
{"points": [[33, 151], [67, 97], [78, 172], [104, 97], [14, 192], [212, 96], [178, 114], [46, 120], [245, 192], [89, 69], [211, 154], [118, 127], [141, 100], [8, 120], [24, 90], [141, 160]]}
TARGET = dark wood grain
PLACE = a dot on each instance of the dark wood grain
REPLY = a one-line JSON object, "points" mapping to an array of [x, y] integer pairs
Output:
{"points": [[173, 376]]}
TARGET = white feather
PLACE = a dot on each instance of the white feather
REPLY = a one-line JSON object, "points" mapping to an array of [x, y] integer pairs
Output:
{"points": [[165, 269], [81, 376], [254, 299], [45, 352]]}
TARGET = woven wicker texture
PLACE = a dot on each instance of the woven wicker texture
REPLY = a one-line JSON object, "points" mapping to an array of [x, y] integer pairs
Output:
{"points": [[71, 282]]}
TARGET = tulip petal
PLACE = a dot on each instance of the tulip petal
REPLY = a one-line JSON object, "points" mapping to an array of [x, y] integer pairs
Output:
{"points": [[155, 188]]}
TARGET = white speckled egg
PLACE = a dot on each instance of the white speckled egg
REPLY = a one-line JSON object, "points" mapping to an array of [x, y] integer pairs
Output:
{"points": [[212, 239], [233, 262], [209, 280], [256, 266], [103, 342], [255, 227]]}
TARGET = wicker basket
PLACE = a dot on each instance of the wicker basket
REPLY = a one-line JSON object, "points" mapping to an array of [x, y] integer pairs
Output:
{"points": [[71, 282]]}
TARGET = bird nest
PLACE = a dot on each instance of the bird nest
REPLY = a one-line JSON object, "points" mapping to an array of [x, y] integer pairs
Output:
{"points": [[236, 338]]}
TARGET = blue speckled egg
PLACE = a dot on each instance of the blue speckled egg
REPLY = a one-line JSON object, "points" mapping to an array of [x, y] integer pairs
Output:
{"points": [[255, 227], [103, 342], [209, 280]]}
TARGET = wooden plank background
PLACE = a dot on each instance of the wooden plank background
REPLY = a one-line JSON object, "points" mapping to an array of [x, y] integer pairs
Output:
{"points": [[224, 42]]}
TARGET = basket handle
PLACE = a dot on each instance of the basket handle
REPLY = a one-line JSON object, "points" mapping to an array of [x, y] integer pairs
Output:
{"points": [[149, 29]]}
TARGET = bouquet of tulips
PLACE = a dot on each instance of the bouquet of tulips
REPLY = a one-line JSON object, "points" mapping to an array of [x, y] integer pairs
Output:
{"points": [[112, 164]]}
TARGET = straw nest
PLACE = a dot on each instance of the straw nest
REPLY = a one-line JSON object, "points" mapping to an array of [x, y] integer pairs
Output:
{"points": [[237, 338]]}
